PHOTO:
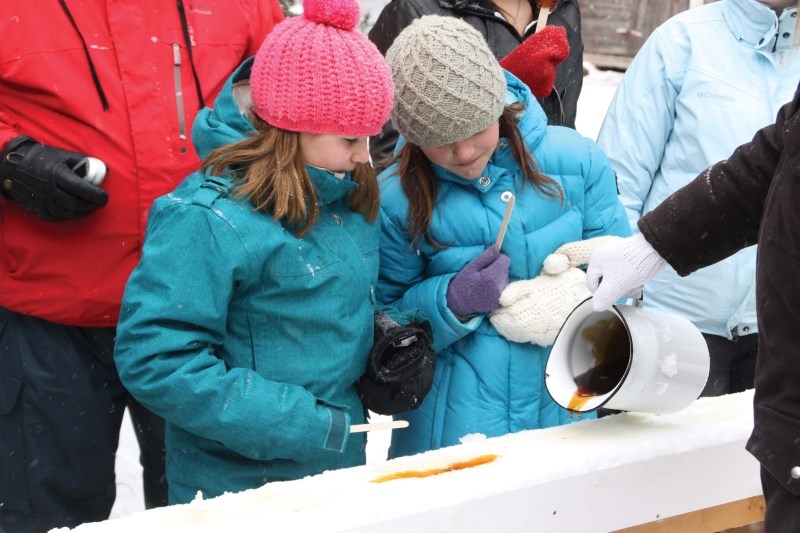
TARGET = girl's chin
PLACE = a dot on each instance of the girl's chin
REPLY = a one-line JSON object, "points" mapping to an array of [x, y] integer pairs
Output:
{"points": [[469, 173]]}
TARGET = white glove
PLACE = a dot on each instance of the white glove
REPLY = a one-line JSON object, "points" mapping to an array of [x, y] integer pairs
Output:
{"points": [[620, 270]]}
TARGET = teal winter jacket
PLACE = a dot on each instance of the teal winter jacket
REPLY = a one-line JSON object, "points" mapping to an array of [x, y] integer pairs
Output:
{"points": [[245, 338], [484, 383]]}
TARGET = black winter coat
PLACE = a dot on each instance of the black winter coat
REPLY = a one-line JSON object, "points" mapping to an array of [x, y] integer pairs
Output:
{"points": [[753, 197], [562, 104]]}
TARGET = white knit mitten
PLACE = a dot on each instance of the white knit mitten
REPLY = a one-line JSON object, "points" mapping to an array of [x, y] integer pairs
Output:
{"points": [[534, 310], [620, 270]]}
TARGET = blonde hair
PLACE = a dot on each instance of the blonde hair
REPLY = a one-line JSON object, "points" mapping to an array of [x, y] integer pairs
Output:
{"points": [[268, 169]]}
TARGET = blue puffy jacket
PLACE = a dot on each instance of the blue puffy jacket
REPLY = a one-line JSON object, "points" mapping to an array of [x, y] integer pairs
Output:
{"points": [[246, 339], [703, 83], [484, 383]]}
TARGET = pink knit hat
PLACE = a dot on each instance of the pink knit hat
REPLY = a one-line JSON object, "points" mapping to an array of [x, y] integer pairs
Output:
{"points": [[318, 74]]}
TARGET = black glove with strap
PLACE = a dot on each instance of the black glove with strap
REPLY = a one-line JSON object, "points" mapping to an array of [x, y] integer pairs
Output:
{"points": [[41, 179], [399, 369]]}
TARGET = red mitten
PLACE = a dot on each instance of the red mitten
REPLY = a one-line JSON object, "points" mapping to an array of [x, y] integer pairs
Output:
{"points": [[535, 60]]}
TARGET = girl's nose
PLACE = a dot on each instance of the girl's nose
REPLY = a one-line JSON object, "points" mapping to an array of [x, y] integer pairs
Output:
{"points": [[360, 151], [464, 151]]}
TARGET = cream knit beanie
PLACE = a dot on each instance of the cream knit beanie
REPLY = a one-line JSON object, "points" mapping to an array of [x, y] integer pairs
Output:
{"points": [[448, 84]]}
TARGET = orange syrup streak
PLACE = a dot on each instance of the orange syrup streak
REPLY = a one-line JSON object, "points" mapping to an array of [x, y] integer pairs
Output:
{"points": [[480, 460]]}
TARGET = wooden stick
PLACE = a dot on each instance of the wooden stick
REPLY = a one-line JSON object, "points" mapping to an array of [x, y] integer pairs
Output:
{"points": [[544, 12], [394, 424], [504, 224]]}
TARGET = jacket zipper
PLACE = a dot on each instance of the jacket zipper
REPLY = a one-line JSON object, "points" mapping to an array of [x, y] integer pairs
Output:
{"points": [[176, 62]]}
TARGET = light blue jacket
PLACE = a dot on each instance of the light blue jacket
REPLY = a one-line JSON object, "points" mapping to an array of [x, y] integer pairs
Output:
{"points": [[484, 383], [245, 338], [703, 83]]}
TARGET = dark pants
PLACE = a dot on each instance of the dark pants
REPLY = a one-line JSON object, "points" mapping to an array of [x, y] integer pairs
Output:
{"points": [[783, 507], [61, 408], [733, 364]]}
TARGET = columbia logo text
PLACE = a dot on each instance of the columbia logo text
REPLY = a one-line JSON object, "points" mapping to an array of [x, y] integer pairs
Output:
{"points": [[708, 95]]}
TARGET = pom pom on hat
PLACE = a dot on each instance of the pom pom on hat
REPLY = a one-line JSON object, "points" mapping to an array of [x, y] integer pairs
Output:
{"points": [[342, 14], [448, 84], [316, 74]]}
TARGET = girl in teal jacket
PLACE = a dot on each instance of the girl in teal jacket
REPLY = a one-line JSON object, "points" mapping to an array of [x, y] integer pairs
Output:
{"points": [[474, 136], [249, 319]]}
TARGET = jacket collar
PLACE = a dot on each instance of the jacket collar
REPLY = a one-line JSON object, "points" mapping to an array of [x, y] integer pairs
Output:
{"points": [[328, 186], [757, 24]]}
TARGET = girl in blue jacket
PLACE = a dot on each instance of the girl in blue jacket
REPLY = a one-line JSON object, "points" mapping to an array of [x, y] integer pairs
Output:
{"points": [[249, 319], [473, 137]]}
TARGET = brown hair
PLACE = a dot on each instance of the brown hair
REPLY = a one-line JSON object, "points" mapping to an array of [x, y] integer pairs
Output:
{"points": [[268, 169], [421, 186]]}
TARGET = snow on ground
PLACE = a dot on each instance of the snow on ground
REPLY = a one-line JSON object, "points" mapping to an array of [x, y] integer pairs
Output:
{"points": [[598, 89]]}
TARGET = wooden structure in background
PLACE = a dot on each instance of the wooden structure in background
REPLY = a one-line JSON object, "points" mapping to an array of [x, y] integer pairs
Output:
{"points": [[741, 515], [614, 30]]}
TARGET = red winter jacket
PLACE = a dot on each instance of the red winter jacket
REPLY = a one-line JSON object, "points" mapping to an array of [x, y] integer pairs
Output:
{"points": [[74, 272]]}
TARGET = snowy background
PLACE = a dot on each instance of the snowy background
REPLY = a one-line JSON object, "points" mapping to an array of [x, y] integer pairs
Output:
{"points": [[598, 89]]}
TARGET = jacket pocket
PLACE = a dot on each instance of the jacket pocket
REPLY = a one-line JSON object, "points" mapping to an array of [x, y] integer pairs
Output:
{"points": [[774, 444], [442, 374], [782, 219], [9, 392], [304, 263]]}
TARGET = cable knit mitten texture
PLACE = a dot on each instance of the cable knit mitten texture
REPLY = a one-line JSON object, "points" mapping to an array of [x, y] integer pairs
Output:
{"points": [[534, 310], [578, 252]]}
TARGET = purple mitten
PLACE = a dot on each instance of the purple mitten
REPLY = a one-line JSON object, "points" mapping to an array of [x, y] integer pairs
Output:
{"points": [[477, 288]]}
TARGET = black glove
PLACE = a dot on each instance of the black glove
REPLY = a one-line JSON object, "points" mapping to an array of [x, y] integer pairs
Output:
{"points": [[40, 178], [399, 369]]}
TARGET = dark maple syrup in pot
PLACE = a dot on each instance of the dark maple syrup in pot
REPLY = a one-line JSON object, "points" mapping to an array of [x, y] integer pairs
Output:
{"points": [[611, 350]]}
